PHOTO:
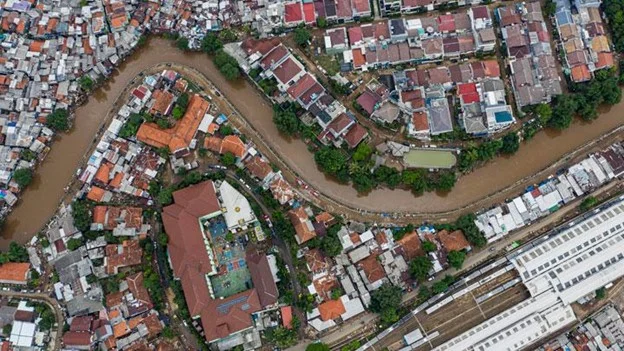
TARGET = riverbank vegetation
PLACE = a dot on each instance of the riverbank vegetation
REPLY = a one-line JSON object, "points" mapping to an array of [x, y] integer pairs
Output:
{"points": [[58, 120], [614, 10]]}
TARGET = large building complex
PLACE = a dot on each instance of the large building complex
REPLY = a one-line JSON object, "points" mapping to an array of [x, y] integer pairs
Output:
{"points": [[558, 270]]}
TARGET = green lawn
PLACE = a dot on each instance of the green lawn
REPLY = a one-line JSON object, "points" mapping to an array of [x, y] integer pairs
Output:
{"points": [[429, 158]]}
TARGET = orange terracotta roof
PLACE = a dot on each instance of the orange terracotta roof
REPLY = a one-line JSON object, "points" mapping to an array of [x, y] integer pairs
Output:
{"points": [[103, 173], [179, 137], [213, 144], [605, 59], [36, 46], [411, 246], [303, 226], [287, 316], [120, 329], [234, 145], [331, 309], [114, 313], [324, 217], [454, 241], [14, 272], [581, 73], [372, 268], [96, 194], [134, 322], [99, 214], [116, 182], [358, 58], [163, 100]]}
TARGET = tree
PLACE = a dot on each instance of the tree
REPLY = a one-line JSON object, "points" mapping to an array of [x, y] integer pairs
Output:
{"points": [[226, 130], [388, 175], [165, 196], [58, 120], [415, 179], [177, 112], [168, 333], [428, 246], [230, 71], [283, 337], [163, 123], [285, 121], [550, 7], [424, 293], [6, 330], [211, 43], [228, 36], [511, 143], [466, 223], [16, 253], [362, 152], [330, 160], [588, 203], [81, 214], [23, 177], [228, 66], [182, 43], [563, 111], [446, 182], [330, 243], [386, 300], [543, 113], [86, 83], [601, 293], [456, 258], [74, 243], [321, 22], [302, 36], [420, 267], [131, 126], [228, 159], [439, 287], [363, 180], [28, 155]]}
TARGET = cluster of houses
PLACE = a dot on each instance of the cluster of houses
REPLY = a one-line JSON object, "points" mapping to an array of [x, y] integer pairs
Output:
{"points": [[547, 197], [417, 40], [583, 39], [277, 63], [533, 67], [21, 321], [420, 98], [126, 321], [603, 331], [342, 286]]}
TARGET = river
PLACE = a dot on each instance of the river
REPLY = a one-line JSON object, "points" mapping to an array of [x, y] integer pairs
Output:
{"points": [[40, 200]]}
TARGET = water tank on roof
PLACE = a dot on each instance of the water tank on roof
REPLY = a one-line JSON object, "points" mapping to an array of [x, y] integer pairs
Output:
{"points": [[429, 30]]}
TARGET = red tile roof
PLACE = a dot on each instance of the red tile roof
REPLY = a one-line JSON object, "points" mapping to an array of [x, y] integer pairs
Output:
{"points": [[358, 58], [420, 121], [274, 56], [303, 226], [262, 278], [454, 241], [187, 249], [331, 309], [286, 316], [372, 268], [287, 70], [179, 136], [14, 272], [293, 12], [355, 135], [258, 167], [410, 246], [221, 318], [309, 13], [72, 338]]}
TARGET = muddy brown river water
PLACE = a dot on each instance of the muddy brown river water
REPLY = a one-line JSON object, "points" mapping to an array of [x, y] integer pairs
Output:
{"points": [[39, 202]]}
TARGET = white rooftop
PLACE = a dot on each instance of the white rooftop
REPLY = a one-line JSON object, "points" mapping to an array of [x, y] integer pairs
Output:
{"points": [[237, 211]]}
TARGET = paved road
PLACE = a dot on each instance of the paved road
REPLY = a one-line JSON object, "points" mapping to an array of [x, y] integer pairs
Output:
{"points": [[60, 316]]}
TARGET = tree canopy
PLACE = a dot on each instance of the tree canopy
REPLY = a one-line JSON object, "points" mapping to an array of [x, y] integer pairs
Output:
{"points": [[58, 120], [23, 177], [81, 215], [286, 121], [227, 65], [420, 267], [385, 301], [456, 258], [211, 43], [302, 36], [317, 346]]}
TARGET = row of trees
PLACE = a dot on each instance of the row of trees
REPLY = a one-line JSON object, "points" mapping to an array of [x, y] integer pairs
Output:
{"points": [[358, 170], [487, 150], [614, 9]]}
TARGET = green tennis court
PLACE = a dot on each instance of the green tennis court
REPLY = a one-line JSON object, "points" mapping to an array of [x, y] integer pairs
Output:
{"points": [[429, 158]]}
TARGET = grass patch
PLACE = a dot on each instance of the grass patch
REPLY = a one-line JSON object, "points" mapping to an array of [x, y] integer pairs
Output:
{"points": [[329, 63]]}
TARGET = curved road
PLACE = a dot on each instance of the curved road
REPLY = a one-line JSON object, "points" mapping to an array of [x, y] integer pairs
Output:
{"points": [[481, 188]]}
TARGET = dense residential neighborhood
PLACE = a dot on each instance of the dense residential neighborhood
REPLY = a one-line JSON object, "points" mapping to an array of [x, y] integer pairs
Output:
{"points": [[236, 188]]}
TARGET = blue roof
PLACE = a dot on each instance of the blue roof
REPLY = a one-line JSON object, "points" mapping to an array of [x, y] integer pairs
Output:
{"points": [[503, 116], [563, 17]]}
